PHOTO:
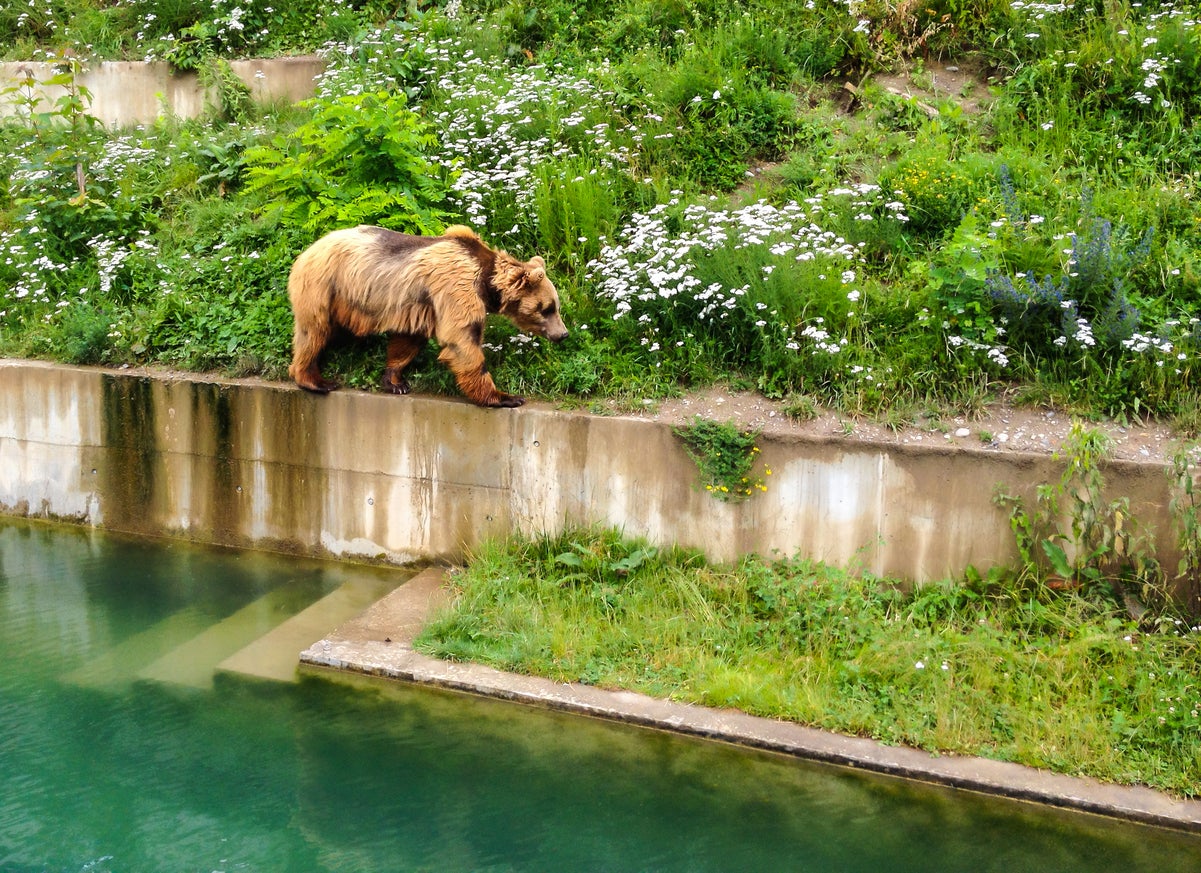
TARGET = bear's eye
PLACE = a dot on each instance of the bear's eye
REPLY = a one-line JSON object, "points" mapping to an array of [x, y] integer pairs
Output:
{"points": [[548, 310]]}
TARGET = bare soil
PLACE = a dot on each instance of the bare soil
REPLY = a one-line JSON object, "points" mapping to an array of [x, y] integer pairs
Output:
{"points": [[934, 82], [1000, 428]]}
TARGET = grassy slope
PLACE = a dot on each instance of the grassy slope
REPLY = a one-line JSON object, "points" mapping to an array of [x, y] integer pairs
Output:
{"points": [[1019, 266]]}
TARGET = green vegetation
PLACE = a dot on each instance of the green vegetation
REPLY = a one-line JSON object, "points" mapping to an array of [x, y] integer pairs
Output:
{"points": [[725, 457], [1102, 547], [356, 160], [714, 204], [186, 32], [1003, 667]]}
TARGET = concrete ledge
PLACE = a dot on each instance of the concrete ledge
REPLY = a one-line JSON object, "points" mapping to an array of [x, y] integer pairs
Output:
{"points": [[257, 464], [379, 643], [138, 92]]}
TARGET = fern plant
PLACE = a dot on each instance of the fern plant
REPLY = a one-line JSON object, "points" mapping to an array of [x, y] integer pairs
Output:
{"points": [[360, 159]]}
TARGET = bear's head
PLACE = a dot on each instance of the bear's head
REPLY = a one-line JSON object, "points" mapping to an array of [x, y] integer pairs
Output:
{"points": [[528, 298]]}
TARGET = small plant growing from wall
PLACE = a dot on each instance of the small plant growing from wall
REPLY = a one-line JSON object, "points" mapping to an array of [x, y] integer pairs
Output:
{"points": [[725, 457], [1101, 552], [196, 49], [1186, 510]]}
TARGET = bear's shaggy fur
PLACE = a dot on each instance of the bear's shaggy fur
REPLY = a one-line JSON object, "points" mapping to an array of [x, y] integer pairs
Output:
{"points": [[371, 280]]}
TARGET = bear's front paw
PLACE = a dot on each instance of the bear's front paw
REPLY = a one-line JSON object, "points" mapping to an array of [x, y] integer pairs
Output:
{"points": [[319, 386], [510, 401]]}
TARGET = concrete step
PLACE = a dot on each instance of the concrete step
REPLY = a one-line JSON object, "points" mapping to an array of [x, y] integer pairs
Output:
{"points": [[400, 616], [194, 662], [276, 655], [122, 662], [386, 630]]}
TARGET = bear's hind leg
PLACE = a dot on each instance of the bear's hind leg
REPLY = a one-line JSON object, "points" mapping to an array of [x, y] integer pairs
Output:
{"points": [[402, 349]]}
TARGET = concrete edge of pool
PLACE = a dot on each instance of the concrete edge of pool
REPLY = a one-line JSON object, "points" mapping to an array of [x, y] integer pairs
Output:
{"points": [[379, 643]]}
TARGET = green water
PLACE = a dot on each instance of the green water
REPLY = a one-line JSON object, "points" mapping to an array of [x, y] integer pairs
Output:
{"points": [[107, 765]]}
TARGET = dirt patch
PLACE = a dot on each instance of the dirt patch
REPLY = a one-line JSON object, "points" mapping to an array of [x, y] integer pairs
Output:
{"points": [[1000, 428], [933, 82]]}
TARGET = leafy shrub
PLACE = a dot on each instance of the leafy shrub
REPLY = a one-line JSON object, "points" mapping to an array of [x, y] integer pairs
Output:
{"points": [[83, 334], [235, 28], [1103, 552], [75, 193], [652, 24], [360, 159], [717, 116], [958, 277], [225, 305], [1186, 513], [528, 27]]}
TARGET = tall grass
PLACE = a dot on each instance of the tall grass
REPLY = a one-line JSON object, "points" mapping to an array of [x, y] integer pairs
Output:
{"points": [[1046, 679]]}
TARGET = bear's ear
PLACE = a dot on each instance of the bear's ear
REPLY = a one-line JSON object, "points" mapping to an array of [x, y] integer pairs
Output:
{"points": [[537, 269]]}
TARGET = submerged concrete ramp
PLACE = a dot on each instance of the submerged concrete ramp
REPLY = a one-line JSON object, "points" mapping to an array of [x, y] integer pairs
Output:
{"points": [[273, 656], [194, 662], [261, 640], [124, 660]]}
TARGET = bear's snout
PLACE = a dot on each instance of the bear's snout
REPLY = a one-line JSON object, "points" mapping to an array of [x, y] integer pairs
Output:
{"points": [[554, 329]]}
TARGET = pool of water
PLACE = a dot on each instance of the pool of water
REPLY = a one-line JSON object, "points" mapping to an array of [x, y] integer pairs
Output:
{"points": [[118, 753]]}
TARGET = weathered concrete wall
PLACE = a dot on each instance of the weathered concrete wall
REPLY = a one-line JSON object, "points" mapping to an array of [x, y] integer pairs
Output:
{"points": [[135, 92], [246, 463]]}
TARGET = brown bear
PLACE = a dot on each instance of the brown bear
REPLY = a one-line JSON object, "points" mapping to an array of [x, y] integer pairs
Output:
{"points": [[371, 280]]}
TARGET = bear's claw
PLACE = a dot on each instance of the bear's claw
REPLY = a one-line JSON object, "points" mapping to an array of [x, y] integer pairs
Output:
{"points": [[395, 384]]}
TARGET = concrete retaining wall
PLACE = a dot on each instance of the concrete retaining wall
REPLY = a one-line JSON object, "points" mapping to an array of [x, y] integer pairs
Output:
{"points": [[133, 92], [248, 463]]}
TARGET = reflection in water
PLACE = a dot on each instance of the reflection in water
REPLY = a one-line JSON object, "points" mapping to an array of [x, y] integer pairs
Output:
{"points": [[341, 774]]}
